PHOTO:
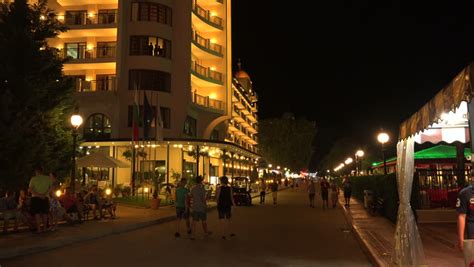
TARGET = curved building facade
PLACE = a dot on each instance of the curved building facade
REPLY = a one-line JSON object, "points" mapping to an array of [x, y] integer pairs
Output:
{"points": [[165, 66]]}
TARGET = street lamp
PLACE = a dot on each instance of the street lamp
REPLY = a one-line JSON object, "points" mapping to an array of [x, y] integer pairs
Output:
{"points": [[383, 138], [359, 154], [76, 121]]}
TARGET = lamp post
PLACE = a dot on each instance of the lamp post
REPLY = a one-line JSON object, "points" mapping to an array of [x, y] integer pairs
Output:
{"points": [[358, 155], [383, 138], [76, 121], [347, 162]]}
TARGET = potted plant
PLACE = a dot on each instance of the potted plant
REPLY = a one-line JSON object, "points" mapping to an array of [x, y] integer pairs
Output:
{"points": [[155, 201]]}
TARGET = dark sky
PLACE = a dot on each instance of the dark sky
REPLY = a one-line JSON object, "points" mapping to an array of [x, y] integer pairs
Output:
{"points": [[368, 64]]}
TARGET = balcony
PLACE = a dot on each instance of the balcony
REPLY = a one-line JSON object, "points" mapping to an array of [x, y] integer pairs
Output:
{"points": [[83, 54], [205, 15], [109, 84], [206, 45], [206, 73], [82, 19], [207, 102]]}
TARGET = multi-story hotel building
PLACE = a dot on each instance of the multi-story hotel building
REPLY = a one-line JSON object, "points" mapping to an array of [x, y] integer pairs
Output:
{"points": [[177, 55]]}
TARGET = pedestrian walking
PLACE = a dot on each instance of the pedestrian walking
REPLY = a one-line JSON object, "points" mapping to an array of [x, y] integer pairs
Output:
{"points": [[347, 186], [274, 188], [199, 207], [40, 187], [324, 192], [334, 192], [311, 193], [465, 210], [225, 201], [263, 188], [182, 207]]}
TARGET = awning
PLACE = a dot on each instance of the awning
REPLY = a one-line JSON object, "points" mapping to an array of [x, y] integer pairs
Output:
{"points": [[448, 99], [101, 160]]}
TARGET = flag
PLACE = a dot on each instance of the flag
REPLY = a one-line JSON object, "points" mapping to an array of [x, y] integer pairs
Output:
{"points": [[136, 117], [159, 122], [148, 117]]}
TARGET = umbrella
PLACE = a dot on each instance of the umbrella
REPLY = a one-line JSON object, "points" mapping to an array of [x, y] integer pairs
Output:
{"points": [[101, 160]]}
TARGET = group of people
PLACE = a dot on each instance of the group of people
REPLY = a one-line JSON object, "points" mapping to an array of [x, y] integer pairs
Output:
{"points": [[263, 188], [40, 208], [325, 186], [155, 50], [193, 203]]}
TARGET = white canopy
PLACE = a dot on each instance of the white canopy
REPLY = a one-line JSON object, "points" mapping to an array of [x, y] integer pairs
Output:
{"points": [[101, 160]]}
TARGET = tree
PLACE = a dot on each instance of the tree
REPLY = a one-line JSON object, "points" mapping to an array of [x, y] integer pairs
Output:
{"points": [[287, 141], [36, 98], [344, 148]]}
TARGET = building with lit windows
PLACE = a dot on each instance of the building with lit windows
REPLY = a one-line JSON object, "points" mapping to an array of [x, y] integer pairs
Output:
{"points": [[176, 54]]}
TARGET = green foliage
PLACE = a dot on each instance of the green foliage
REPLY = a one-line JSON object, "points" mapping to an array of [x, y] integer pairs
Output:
{"points": [[384, 187], [36, 99], [287, 141]]}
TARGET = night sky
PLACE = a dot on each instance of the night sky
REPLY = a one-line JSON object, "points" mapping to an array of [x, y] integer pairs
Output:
{"points": [[371, 64]]}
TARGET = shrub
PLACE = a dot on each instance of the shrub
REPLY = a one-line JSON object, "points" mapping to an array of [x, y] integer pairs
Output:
{"points": [[384, 187]]}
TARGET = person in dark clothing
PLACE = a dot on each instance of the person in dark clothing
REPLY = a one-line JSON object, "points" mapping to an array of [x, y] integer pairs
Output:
{"points": [[150, 49], [347, 191], [324, 192], [157, 50], [225, 201], [465, 211], [274, 188]]}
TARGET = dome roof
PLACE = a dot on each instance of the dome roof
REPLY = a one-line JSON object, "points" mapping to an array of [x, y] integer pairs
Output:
{"points": [[241, 73]]}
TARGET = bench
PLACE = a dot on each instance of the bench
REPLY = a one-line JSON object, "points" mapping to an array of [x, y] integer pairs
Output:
{"points": [[376, 207]]}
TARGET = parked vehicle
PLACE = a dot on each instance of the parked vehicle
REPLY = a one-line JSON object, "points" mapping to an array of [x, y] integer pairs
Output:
{"points": [[241, 191]]}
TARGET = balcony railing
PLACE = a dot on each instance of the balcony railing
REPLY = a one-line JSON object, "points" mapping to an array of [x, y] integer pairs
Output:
{"points": [[206, 73], [82, 18], [207, 102], [206, 44], [109, 84], [82, 53], [206, 16]]}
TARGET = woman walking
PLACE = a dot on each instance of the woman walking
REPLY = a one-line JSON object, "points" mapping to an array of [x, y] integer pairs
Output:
{"points": [[225, 201]]}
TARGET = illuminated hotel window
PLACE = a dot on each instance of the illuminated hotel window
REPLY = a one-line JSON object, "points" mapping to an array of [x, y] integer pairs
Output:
{"points": [[140, 45], [108, 16], [143, 11], [153, 80], [98, 126]]}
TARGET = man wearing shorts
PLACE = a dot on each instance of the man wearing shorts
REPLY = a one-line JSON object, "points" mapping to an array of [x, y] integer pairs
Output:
{"points": [[324, 192], [182, 206], [40, 187], [225, 201], [199, 206]]}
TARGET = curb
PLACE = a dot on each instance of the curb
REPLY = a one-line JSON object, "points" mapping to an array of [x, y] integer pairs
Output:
{"points": [[366, 247], [16, 252]]}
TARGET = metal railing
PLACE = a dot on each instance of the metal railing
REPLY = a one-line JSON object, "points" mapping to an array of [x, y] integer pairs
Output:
{"points": [[207, 102], [206, 15], [206, 72], [206, 43], [109, 84], [89, 53], [83, 18]]}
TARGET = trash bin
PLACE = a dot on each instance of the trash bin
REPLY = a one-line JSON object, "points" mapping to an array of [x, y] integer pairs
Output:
{"points": [[368, 198], [469, 252]]}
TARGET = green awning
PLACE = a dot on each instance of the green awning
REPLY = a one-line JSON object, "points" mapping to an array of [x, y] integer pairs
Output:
{"points": [[436, 152]]}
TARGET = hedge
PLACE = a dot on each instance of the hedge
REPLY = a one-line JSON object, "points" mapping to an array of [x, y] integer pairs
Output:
{"points": [[386, 188]]}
